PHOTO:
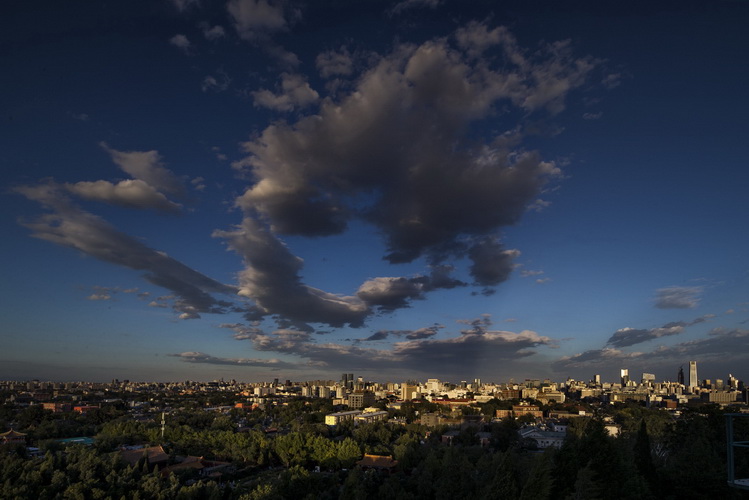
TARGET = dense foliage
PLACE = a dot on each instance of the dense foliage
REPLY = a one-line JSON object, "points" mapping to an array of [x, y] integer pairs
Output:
{"points": [[657, 456]]}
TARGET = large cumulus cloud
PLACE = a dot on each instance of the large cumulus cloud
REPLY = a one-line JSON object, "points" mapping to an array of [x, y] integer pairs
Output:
{"points": [[426, 145]]}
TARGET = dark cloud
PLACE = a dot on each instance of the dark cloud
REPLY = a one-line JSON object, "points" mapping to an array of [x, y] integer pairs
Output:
{"points": [[418, 334], [271, 279], [719, 346], [395, 150], [678, 297], [420, 353], [199, 357], [381, 335], [630, 336], [492, 264], [389, 293], [68, 225]]}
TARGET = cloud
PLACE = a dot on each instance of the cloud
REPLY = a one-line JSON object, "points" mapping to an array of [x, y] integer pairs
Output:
{"points": [[719, 346], [69, 226], [389, 293], [381, 335], [199, 357], [404, 5], [99, 296], [335, 63], [394, 151], [129, 193], [181, 42], [213, 32], [148, 167], [214, 84], [678, 297], [538, 205], [612, 80], [418, 334], [592, 116], [491, 263], [183, 5], [252, 16], [420, 353], [271, 279], [525, 273], [630, 336], [294, 93]]}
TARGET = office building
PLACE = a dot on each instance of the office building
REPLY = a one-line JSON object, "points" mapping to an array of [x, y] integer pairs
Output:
{"points": [[693, 381]]}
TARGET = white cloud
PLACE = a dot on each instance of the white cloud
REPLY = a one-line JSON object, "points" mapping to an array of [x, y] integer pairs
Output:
{"points": [[128, 193], [148, 167], [99, 296]]}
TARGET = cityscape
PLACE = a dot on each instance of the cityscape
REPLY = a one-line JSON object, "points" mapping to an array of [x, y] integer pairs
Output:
{"points": [[385, 249], [329, 437]]}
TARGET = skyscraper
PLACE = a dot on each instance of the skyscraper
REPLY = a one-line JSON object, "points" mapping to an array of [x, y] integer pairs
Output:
{"points": [[693, 376], [624, 376]]}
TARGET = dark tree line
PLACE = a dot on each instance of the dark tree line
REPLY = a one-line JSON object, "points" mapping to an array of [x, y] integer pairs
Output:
{"points": [[657, 456]]}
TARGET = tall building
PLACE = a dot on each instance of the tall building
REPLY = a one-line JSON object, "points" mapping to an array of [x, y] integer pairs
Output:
{"points": [[624, 376], [409, 392], [680, 376], [693, 383]]}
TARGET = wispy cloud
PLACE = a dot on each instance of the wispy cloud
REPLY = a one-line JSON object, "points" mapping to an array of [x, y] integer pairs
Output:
{"points": [[678, 297]]}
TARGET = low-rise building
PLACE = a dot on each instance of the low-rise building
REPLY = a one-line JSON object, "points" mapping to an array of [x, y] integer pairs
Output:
{"points": [[341, 416]]}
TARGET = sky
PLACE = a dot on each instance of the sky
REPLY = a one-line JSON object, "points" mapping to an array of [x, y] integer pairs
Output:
{"points": [[257, 189]]}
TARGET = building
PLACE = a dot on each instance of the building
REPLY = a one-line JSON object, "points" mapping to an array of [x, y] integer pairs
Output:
{"points": [[155, 456], [56, 407], [693, 381], [409, 392], [370, 416], [361, 399], [430, 419], [342, 416], [624, 377], [520, 410], [12, 437], [542, 438]]}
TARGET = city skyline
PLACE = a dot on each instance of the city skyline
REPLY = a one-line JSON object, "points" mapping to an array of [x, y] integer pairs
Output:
{"points": [[253, 189]]}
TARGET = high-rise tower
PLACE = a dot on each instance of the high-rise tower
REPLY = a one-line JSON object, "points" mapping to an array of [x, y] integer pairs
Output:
{"points": [[693, 383]]}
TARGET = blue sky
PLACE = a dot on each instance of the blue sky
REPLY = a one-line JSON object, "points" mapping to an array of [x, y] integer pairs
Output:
{"points": [[249, 189]]}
